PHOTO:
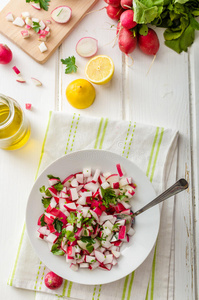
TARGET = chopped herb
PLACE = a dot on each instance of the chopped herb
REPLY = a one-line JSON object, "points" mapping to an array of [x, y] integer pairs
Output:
{"points": [[70, 64], [43, 223], [36, 26], [52, 177], [70, 236], [71, 218], [56, 250], [59, 12], [45, 201], [109, 196], [58, 224], [58, 186], [43, 190]]}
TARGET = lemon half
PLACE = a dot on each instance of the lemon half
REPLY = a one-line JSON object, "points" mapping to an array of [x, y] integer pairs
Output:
{"points": [[80, 93], [99, 69]]}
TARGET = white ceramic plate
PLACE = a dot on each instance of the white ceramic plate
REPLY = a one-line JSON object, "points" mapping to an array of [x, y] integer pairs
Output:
{"points": [[146, 224]]}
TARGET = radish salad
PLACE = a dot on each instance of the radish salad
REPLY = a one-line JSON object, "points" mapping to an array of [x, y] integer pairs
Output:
{"points": [[87, 217]]}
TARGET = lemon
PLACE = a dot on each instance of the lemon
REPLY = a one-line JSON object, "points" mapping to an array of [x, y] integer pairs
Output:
{"points": [[99, 69], [80, 93]]}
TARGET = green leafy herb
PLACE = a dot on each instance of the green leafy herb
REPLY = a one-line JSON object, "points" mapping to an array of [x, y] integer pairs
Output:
{"points": [[70, 236], [43, 3], [45, 201], [58, 186], [109, 197], [58, 224], [52, 177], [56, 250], [70, 64], [178, 17], [89, 241], [115, 227], [36, 26], [43, 223], [71, 218], [45, 191]]}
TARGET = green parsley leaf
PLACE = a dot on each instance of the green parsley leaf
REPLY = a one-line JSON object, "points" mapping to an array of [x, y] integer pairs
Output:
{"points": [[70, 64], [45, 191], [70, 236], [58, 186], [89, 247], [43, 223], [36, 26], [71, 218], [52, 177], [58, 224], [45, 201], [56, 250]]}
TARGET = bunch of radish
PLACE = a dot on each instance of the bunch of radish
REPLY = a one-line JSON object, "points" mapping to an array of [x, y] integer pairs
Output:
{"points": [[87, 217], [128, 31]]}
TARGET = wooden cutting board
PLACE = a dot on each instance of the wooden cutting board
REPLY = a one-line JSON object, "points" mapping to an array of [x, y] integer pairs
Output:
{"points": [[58, 31]]}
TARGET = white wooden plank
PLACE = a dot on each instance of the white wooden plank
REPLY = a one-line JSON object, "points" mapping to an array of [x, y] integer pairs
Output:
{"points": [[18, 168], [161, 97]]}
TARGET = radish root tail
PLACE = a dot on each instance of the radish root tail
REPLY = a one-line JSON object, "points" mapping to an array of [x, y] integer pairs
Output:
{"points": [[151, 65]]}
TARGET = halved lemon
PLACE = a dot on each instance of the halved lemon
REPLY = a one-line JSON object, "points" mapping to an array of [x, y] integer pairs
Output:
{"points": [[80, 93], [99, 69]]}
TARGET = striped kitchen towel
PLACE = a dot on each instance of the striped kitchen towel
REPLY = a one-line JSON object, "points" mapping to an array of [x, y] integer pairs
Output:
{"points": [[153, 150]]}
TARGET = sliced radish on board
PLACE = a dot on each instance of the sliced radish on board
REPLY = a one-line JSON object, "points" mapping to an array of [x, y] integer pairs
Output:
{"points": [[19, 22], [42, 47], [87, 47], [9, 17], [36, 5], [61, 14]]}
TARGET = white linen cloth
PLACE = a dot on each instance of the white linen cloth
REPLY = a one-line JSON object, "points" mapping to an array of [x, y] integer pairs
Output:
{"points": [[153, 150]]}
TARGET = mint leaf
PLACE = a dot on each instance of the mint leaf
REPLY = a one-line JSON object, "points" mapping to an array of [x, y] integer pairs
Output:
{"points": [[70, 64]]}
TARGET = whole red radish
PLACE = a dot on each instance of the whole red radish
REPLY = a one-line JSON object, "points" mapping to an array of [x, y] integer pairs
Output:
{"points": [[114, 12], [53, 281], [126, 19], [5, 54], [115, 3], [149, 44], [127, 41], [126, 4]]}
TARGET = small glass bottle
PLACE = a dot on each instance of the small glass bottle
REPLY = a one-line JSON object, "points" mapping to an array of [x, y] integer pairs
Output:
{"points": [[14, 126]]}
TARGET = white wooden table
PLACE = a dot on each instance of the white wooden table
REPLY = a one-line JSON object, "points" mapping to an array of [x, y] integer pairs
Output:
{"points": [[167, 96]]}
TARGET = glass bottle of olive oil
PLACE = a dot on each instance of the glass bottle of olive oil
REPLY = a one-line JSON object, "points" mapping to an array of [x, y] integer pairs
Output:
{"points": [[14, 127]]}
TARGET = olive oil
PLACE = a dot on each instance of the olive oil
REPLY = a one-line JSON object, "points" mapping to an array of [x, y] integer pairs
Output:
{"points": [[14, 127]]}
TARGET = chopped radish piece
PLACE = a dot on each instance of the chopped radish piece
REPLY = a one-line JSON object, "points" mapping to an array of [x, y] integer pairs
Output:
{"points": [[20, 79], [36, 5], [87, 172], [16, 70], [48, 22], [28, 26], [61, 14], [35, 20], [42, 25], [28, 106], [87, 47], [25, 34], [42, 47], [25, 14], [9, 17], [19, 22], [28, 21]]}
